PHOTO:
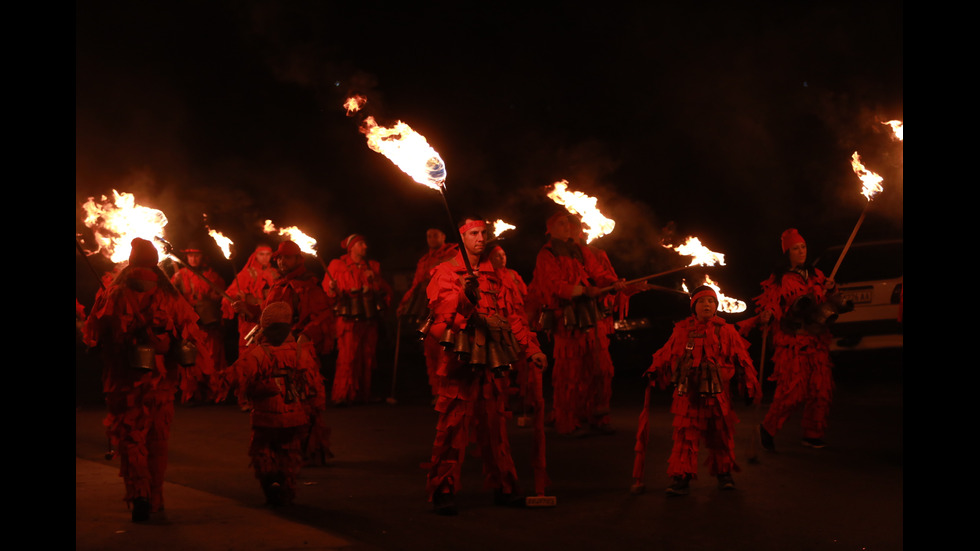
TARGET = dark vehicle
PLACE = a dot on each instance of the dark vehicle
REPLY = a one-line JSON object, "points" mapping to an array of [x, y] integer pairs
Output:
{"points": [[871, 277]]}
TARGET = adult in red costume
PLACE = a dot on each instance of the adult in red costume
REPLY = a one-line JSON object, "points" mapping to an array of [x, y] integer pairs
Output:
{"points": [[414, 306], [700, 359], [483, 335], [276, 377], [529, 377], [565, 290], [251, 286], [361, 295], [790, 303], [311, 326], [199, 284], [139, 321]]}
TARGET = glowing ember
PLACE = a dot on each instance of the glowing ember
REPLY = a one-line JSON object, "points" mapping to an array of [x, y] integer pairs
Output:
{"points": [[896, 128], [700, 255], [115, 224], [306, 243], [871, 181], [726, 304], [500, 227], [223, 242], [408, 150], [593, 222], [354, 103]]}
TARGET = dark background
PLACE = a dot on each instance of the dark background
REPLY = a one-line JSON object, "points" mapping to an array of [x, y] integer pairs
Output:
{"points": [[733, 121]]}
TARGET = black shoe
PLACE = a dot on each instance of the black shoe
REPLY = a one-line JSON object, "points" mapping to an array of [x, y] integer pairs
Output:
{"points": [[815, 443], [445, 504], [513, 499], [766, 438], [141, 509], [679, 485], [275, 494], [726, 482]]}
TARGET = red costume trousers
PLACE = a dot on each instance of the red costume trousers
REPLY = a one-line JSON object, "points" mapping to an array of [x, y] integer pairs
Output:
{"points": [[803, 375], [138, 426], [357, 343], [477, 401], [702, 417], [582, 380], [277, 456]]}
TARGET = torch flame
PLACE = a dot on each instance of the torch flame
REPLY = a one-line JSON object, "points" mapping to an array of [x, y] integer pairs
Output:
{"points": [[500, 227], [700, 255], [896, 128], [594, 223], [354, 103], [306, 243], [871, 181], [115, 224], [223, 242], [408, 150], [726, 304]]}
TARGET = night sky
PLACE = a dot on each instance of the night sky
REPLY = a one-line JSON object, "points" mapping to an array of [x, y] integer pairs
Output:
{"points": [[734, 121]]}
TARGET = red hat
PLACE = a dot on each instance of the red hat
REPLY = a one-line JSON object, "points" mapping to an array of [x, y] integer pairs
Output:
{"points": [[193, 247], [702, 291], [351, 240], [143, 254], [287, 248], [789, 238]]}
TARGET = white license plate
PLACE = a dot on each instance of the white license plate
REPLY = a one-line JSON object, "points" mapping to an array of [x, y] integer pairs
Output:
{"points": [[859, 295]]}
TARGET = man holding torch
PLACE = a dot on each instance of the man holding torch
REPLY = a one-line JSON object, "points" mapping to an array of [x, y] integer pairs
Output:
{"points": [[565, 287], [482, 335], [198, 283], [797, 301]]}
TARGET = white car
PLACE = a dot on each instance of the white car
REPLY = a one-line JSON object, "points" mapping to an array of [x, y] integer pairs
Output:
{"points": [[871, 276]]}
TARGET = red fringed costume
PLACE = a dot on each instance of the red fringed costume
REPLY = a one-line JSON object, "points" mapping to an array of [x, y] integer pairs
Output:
{"points": [[700, 359], [206, 301], [362, 294], [582, 366], [142, 311], [250, 286], [801, 361], [471, 393], [275, 381]]}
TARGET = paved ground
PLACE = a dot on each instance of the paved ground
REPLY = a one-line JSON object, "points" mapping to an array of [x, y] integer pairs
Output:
{"points": [[371, 496]]}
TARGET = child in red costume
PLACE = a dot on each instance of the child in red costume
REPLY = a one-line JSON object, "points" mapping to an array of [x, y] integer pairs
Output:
{"points": [[700, 359], [276, 376]]}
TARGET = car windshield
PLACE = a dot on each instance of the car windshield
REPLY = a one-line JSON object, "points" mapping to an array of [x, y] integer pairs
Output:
{"points": [[865, 261]]}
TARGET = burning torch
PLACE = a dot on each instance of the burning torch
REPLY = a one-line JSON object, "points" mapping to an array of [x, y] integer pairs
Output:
{"points": [[870, 188]]}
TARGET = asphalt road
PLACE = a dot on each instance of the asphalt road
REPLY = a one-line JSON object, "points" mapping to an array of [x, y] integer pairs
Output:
{"points": [[371, 495]]}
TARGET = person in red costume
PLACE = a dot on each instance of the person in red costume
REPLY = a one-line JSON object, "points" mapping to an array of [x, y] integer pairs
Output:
{"points": [[483, 335], [251, 286], [311, 327], [139, 321], [529, 377], [700, 359], [565, 289], [414, 306], [361, 295], [276, 376], [199, 284], [790, 304]]}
